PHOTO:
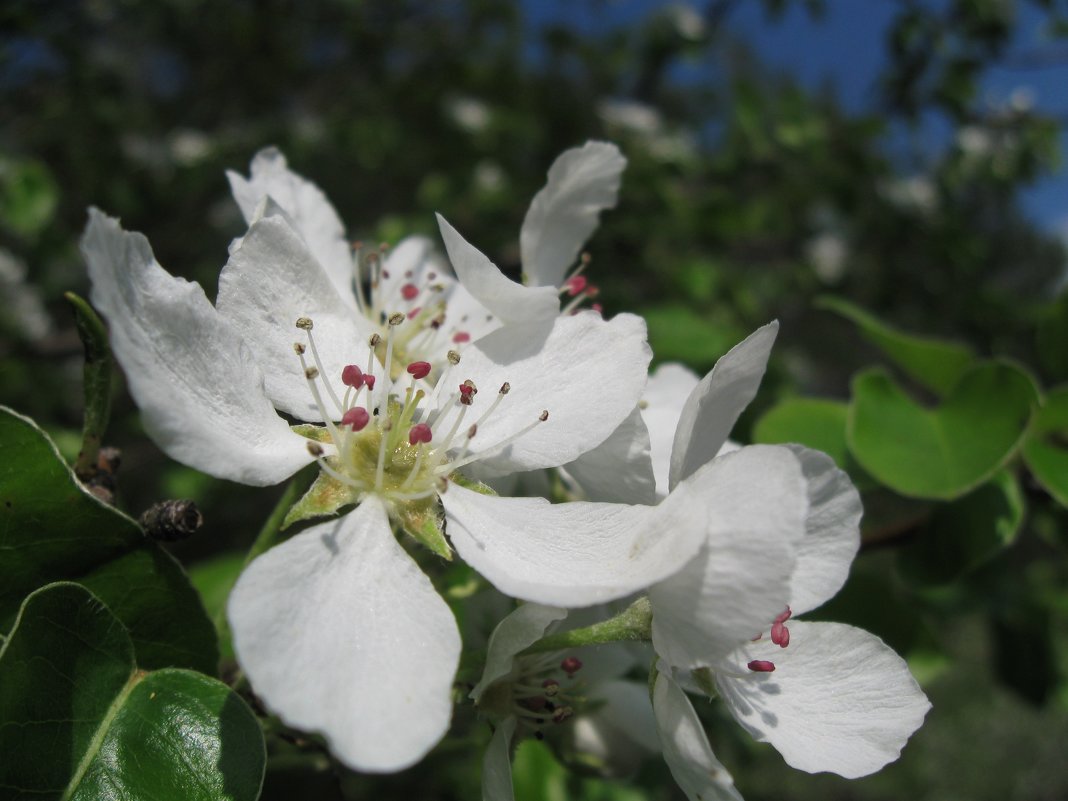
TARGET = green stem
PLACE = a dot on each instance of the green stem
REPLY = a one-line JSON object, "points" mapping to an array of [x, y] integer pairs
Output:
{"points": [[97, 375], [273, 525], [633, 624]]}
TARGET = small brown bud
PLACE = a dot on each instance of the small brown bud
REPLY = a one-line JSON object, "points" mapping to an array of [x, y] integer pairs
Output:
{"points": [[171, 521]]}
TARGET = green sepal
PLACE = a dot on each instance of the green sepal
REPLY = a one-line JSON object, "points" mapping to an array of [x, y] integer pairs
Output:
{"points": [[325, 496], [96, 376], [703, 678], [472, 484], [424, 521], [313, 432]]}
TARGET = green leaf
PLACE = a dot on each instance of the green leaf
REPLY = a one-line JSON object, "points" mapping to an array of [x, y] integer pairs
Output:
{"points": [[52, 529], [960, 536], [940, 453], [1046, 448], [819, 424], [677, 333], [1051, 339], [937, 364], [28, 196], [84, 723], [213, 579], [96, 378]]}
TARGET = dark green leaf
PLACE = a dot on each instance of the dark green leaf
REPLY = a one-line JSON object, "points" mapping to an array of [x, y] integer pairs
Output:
{"points": [[935, 363], [52, 529], [1046, 448], [213, 579], [940, 453], [961, 535], [84, 723]]}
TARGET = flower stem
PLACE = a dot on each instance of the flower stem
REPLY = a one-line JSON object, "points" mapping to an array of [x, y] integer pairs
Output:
{"points": [[633, 624], [273, 525]]}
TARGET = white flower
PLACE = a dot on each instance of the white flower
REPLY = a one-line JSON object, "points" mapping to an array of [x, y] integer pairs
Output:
{"points": [[410, 278], [611, 719], [337, 628], [829, 697], [581, 183]]}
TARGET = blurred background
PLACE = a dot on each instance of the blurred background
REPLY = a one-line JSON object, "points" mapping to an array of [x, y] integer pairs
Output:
{"points": [[901, 155]]}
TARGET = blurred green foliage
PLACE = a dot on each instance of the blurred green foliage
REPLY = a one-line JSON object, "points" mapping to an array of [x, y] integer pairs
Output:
{"points": [[747, 197]]}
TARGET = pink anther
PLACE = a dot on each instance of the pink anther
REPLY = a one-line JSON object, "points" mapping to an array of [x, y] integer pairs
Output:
{"points": [[419, 369], [571, 665], [352, 376], [409, 291], [356, 417], [420, 432], [369, 380], [414, 312], [575, 284], [597, 307], [461, 337], [780, 635], [761, 666]]}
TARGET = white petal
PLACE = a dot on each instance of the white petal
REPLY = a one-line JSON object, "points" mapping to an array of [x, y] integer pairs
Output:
{"points": [[715, 404], [582, 182], [200, 392], [341, 633], [620, 469], [685, 746], [621, 729], [832, 532], [585, 371], [521, 629], [497, 764], [307, 206], [664, 398], [752, 505], [839, 699], [508, 300], [272, 279], [567, 554]]}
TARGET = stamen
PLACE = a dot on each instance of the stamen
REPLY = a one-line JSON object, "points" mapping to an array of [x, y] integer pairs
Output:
{"points": [[460, 337], [352, 376], [419, 369], [493, 450], [574, 285], [310, 374], [356, 418], [306, 324], [420, 432], [454, 357], [409, 291], [780, 635], [571, 665], [761, 666]]}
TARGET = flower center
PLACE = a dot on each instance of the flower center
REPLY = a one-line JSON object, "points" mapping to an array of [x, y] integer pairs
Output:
{"points": [[545, 691], [397, 436], [421, 296]]}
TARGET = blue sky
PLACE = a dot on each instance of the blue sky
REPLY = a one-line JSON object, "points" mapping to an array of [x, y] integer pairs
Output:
{"points": [[846, 48]]}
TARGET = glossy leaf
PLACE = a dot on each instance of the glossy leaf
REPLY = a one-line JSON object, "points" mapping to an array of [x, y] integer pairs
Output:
{"points": [[84, 723], [1046, 449], [961, 535], [52, 529], [935, 363], [940, 453]]}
